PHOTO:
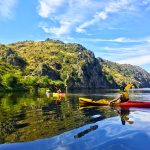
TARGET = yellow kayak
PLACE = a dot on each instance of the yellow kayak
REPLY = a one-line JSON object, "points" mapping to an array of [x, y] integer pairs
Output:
{"points": [[86, 101], [58, 94]]}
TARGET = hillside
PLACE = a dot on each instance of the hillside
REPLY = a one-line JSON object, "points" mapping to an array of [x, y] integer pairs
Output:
{"points": [[71, 65], [119, 73], [52, 63]]}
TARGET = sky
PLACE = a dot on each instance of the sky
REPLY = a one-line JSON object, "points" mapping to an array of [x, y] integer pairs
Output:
{"points": [[116, 30]]}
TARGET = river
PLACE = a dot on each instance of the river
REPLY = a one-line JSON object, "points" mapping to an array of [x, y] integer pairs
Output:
{"points": [[35, 121]]}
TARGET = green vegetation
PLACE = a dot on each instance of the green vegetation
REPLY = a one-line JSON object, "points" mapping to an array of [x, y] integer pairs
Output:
{"points": [[10, 81], [53, 64], [119, 73], [25, 69], [31, 65], [28, 117]]}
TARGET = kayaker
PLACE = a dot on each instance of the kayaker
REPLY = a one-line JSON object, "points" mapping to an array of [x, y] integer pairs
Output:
{"points": [[59, 91], [124, 95], [48, 93]]}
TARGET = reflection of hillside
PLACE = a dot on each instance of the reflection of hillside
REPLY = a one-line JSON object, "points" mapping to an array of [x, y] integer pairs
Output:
{"points": [[98, 113], [82, 133], [32, 118], [94, 114]]}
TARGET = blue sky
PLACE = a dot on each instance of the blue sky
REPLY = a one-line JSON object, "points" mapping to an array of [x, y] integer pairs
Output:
{"points": [[117, 30]]}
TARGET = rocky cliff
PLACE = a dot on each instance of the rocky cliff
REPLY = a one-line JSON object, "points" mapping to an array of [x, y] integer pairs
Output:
{"points": [[119, 73], [71, 64]]}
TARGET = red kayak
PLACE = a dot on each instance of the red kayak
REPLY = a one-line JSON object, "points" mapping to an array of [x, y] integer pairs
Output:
{"points": [[135, 104], [104, 102]]}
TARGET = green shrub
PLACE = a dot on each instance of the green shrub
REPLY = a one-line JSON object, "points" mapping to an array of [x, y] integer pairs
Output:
{"points": [[10, 81], [30, 81], [44, 82]]}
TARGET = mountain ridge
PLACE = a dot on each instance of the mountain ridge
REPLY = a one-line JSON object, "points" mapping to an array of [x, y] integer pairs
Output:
{"points": [[53, 63]]}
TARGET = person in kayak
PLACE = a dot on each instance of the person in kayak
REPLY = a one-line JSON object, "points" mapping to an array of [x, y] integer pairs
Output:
{"points": [[124, 95], [59, 91]]}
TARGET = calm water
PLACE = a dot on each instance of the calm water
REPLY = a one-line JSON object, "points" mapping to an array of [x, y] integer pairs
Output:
{"points": [[38, 122]]}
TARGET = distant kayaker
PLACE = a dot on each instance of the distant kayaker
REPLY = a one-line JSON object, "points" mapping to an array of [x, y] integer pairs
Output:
{"points": [[59, 91], [124, 95], [48, 93]]}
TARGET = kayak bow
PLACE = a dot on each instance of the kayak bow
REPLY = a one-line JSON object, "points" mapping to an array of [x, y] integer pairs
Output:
{"points": [[86, 101]]}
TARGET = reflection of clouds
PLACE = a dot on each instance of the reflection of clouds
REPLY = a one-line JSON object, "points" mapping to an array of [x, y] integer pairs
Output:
{"points": [[141, 116], [95, 116], [109, 135], [61, 148], [126, 142]]}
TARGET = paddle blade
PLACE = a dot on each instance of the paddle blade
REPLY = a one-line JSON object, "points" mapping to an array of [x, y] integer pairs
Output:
{"points": [[129, 86]]}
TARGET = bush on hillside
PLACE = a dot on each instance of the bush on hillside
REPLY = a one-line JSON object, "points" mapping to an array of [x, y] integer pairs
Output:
{"points": [[10, 81]]}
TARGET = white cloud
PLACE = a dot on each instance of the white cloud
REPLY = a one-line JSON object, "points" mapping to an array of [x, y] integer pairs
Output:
{"points": [[46, 7], [112, 7], [103, 15], [65, 19], [80, 30], [77, 12], [63, 29], [82, 27], [139, 60], [145, 2], [6, 8], [116, 6], [118, 40], [138, 54], [80, 15]]}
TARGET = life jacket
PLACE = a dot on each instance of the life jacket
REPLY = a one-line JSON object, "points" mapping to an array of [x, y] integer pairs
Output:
{"points": [[125, 96]]}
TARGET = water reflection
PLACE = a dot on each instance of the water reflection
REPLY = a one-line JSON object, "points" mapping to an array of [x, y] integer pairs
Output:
{"points": [[124, 114], [100, 113], [97, 113], [82, 133], [31, 117]]}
